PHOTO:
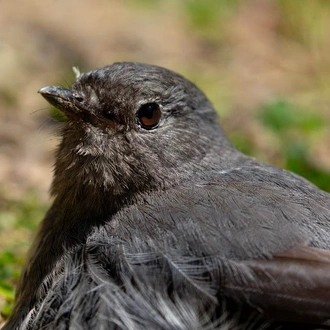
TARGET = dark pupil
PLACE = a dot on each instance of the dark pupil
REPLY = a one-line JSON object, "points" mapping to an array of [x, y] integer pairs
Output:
{"points": [[148, 111], [109, 115]]}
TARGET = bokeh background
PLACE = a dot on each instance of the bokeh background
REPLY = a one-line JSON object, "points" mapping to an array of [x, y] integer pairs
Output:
{"points": [[265, 65]]}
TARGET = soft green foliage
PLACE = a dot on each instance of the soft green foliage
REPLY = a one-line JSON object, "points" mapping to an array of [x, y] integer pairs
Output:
{"points": [[10, 265], [242, 143], [305, 21], [282, 118], [295, 129], [18, 222], [208, 18]]}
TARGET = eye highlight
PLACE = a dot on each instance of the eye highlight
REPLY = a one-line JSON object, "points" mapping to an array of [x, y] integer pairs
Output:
{"points": [[149, 115]]}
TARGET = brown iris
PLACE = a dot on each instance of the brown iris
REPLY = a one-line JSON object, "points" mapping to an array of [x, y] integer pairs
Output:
{"points": [[149, 115]]}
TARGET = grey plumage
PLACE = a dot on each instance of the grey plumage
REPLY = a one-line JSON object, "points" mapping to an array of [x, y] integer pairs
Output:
{"points": [[169, 226]]}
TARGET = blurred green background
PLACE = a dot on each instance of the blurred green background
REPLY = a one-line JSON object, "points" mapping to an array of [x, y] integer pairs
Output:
{"points": [[265, 65]]}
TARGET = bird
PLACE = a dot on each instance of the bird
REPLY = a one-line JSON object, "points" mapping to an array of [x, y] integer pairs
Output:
{"points": [[159, 222]]}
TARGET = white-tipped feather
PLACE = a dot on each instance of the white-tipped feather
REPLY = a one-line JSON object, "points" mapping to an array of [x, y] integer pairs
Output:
{"points": [[76, 71]]}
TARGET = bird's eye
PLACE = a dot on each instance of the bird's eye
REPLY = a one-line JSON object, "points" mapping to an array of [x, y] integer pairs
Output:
{"points": [[149, 115]]}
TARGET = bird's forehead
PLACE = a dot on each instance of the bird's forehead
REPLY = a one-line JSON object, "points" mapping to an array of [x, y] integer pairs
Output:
{"points": [[134, 82], [130, 75]]}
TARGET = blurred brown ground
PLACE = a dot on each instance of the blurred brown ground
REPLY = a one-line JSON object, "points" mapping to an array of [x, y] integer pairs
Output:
{"points": [[241, 55]]}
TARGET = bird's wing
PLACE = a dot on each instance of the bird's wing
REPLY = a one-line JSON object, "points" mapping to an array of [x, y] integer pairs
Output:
{"points": [[266, 234], [291, 286]]}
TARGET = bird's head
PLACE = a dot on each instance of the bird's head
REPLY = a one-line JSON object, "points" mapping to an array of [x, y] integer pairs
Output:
{"points": [[131, 127]]}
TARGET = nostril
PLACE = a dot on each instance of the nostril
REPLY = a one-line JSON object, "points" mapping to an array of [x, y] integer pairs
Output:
{"points": [[78, 97]]}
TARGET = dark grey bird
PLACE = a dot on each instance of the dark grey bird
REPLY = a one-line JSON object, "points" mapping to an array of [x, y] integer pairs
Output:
{"points": [[158, 222]]}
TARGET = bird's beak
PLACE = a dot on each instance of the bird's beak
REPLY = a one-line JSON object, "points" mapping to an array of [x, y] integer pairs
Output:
{"points": [[67, 101]]}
